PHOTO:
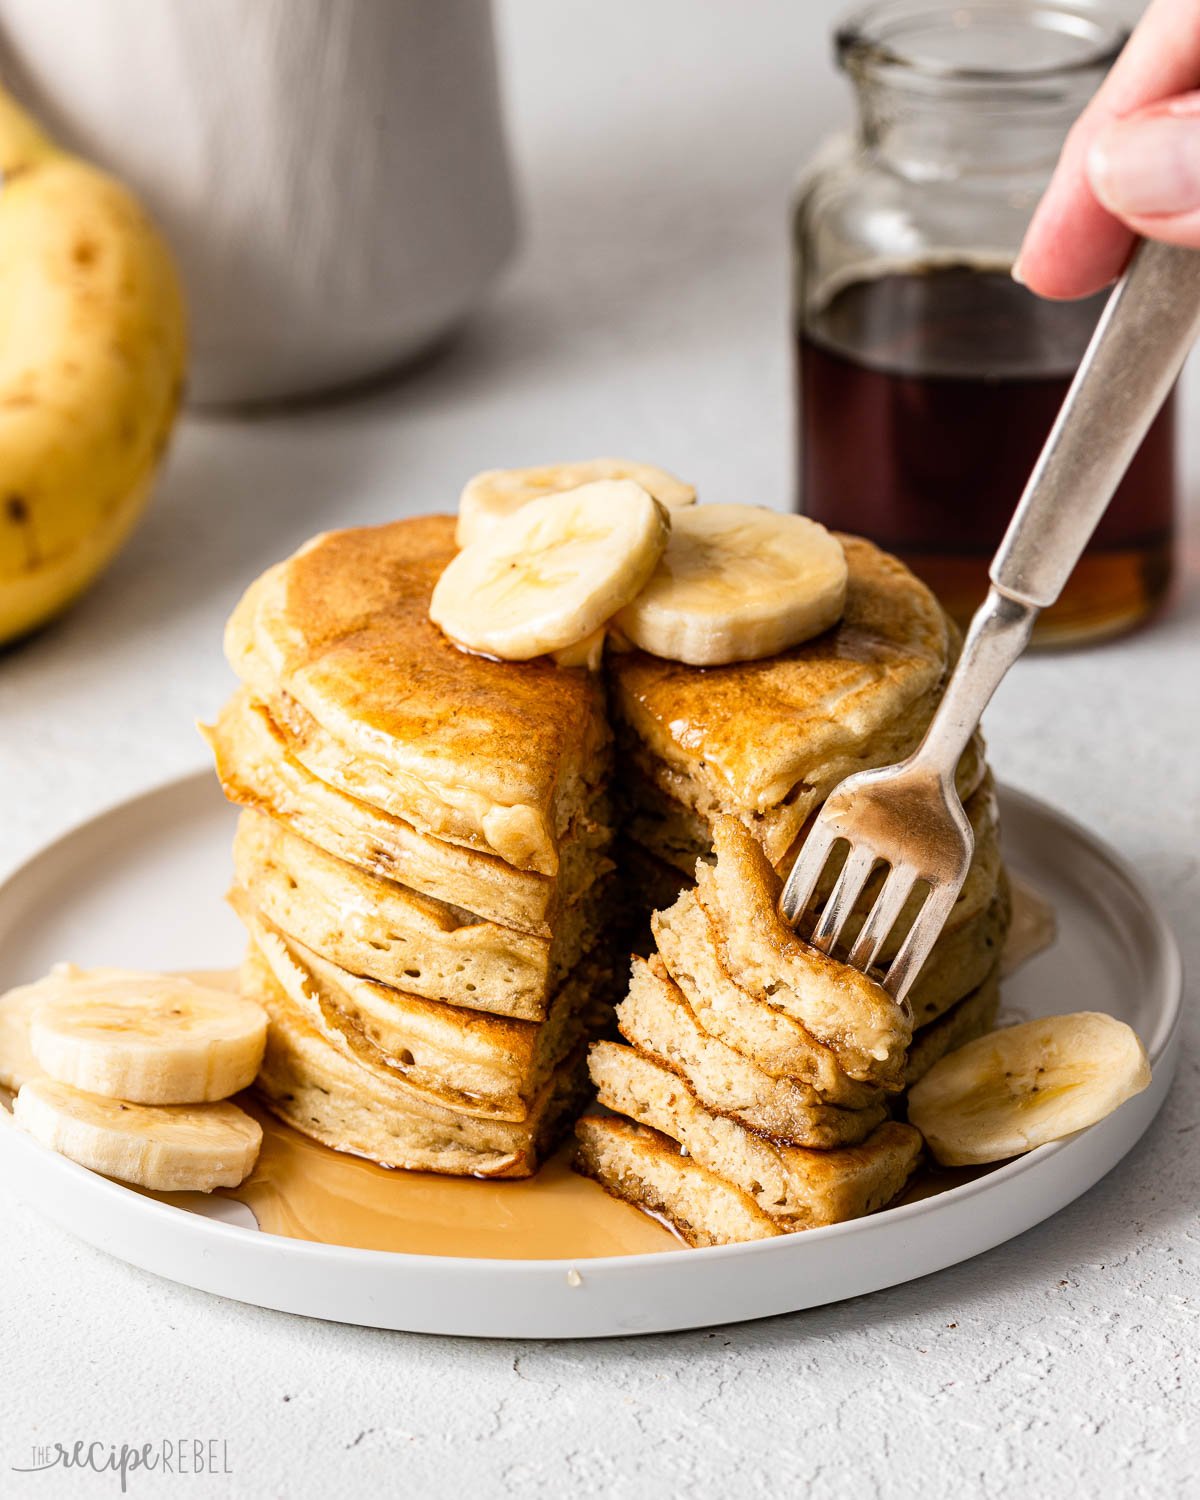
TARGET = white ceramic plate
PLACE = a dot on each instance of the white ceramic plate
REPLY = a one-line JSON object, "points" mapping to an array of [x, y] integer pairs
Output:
{"points": [[141, 886]]}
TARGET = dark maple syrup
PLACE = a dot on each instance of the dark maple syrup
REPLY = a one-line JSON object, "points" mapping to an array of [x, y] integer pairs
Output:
{"points": [[926, 396]]}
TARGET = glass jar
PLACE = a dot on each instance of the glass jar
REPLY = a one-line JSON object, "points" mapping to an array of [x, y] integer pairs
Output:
{"points": [[928, 378]]}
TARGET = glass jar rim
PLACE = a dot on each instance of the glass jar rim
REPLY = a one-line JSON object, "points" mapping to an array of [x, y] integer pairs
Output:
{"points": [[869, 40]]}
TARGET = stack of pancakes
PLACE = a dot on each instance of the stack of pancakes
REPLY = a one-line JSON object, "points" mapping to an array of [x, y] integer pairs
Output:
{"points": [[425, 867], [754, 1096], [421, 862]]}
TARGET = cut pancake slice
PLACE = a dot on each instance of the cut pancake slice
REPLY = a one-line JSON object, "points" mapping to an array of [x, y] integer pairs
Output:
{"points": [[775, 1041], [256, 771], [767, 741], [657, 1020], [699, 790], [844, 1010], [797, 1187], [337, 643], [973, 1016], [384, 931], [463, 1060], [319, 1091], [645, 1168]]}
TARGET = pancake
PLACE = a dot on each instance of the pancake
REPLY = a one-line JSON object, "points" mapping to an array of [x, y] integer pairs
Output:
{"points": [[372, 698], [463, 1060], [661, 849], [256, 771], [768, 740], [973, 1016], [773, 1040], [647, 1169], [688, 806], [796, 1187], [320, 1092], [383, 931], [842, 1009], [655, 1018], [962, 960]]}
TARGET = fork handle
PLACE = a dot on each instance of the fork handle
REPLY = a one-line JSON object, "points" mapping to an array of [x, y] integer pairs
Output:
{"points": [[1148, 325], [999, 632], [1141, 341]]}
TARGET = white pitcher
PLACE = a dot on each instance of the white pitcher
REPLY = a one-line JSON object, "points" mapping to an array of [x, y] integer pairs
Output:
{"points": [[333, 176]]}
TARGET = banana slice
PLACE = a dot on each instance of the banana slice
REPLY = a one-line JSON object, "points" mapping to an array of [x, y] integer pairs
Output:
{"points": [[588, 652], [167, 1147], [497, 493], [17, 1062], [553, 573], [737, 583], [1018, 1088], [148, 1038]]}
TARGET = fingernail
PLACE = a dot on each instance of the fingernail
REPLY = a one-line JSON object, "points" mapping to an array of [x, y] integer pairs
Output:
{"points": [[1147, 165], [1015, 273]]}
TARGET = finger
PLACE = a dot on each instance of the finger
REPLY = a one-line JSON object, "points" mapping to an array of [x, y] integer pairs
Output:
{"points": [[1074, 245], [1145, 169]]}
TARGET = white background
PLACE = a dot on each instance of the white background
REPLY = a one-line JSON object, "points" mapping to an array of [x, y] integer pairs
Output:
{"points": [[647, 315]]}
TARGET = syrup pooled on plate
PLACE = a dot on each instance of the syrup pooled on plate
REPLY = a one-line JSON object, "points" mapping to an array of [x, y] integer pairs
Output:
{"points": [[305, 1191]]}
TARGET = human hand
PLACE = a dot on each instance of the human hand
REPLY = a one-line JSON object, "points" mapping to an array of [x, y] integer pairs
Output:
{"points": [[1130, 166]]}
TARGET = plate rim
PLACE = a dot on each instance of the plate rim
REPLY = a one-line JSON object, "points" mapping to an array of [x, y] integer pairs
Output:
{"points": [[217, 1235]]}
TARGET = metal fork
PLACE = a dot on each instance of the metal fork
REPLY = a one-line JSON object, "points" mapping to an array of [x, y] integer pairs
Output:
{"points": [[910, 817]]}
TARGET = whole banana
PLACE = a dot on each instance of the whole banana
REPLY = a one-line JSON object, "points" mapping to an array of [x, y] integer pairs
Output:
{"points": [[92, 353]]}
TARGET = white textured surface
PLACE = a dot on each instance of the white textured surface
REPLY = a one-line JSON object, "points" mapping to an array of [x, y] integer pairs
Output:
{"points": [[647, 317]]}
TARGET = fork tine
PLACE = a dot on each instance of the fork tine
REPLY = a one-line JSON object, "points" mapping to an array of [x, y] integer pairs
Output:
{"points": [[881, 918], [916, 947], [846, 891], [807, 871]]}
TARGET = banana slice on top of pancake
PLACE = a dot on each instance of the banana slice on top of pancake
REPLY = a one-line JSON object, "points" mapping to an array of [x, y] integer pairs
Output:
{"points": [[553, 573], [490, 497], [165, 1147], [737, 583], [1023, 1086]]}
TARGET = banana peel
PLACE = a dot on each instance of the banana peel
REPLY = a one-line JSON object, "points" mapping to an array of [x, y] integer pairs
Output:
{"points": [[92, 359]]}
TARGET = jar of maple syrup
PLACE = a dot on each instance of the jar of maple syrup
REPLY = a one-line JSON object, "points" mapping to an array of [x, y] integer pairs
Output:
{"points": [[928, 378]]}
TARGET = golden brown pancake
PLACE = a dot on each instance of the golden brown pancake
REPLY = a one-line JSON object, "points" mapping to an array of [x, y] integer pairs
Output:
{"points": [[383, 931], [797, 1187], [322, 1093], [655, 1018], [463, 1060], [373, 698], [773, 1040], [256, 771], [973, 1016], [962, 959], [841, 1008], [647, 1169], [767, 741]]}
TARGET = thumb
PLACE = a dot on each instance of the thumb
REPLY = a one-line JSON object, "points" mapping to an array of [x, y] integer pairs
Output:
{"points": [[1145, 169]]}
